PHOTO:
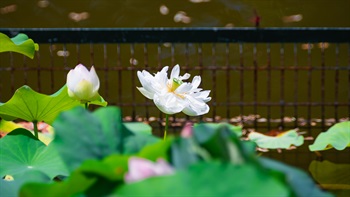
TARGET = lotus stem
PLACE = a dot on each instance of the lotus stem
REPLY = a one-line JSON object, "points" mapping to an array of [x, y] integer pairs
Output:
{"points": [[87, 105], [36, 132], [166, 125]]}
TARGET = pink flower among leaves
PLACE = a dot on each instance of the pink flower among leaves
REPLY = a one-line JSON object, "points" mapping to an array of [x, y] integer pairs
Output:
{"points": [[140, 169]]}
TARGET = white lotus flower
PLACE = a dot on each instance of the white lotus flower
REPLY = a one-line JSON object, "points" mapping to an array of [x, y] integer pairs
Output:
{"points": [[82, 84], [173, 95]]}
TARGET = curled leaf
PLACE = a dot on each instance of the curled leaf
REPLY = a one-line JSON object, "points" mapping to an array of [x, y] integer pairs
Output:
{"points": [[338, 137], [20, 44], [282, 140], [30, 105]]}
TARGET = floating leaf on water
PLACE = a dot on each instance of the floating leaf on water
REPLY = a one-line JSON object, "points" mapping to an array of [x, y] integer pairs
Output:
{"points": [[338, 137], [282, 140]]}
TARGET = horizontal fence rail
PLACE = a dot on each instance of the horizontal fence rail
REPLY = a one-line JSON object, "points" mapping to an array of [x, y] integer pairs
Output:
{"points": [[181, 35]]}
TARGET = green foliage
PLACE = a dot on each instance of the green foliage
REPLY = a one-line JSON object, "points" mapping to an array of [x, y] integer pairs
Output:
{"points": [[284, 140], [22, 152], [76, 184], [338, 137], [299, 181], [20, 44], [11, 188], [101, 160], [331, 174], [81, 135], [201, 180], [31, 106]]}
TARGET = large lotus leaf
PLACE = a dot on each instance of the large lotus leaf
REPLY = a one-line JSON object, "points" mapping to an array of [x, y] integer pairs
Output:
{"points": [[331, 175], [215, 126], [185, 152], [22, 152], [20, 44], [300, 182], [283, 140], [138, 128], [220, 141], [157, 150], [11, 188], [112, 167], [209, 179], [32, 106], [74, 185], [82, 135], [135, 143], [338, 137]]}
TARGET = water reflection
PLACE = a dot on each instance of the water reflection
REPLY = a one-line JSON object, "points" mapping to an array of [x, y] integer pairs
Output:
{"points": [[43, 3], [160, 13], [292, 18], [8, 9]]}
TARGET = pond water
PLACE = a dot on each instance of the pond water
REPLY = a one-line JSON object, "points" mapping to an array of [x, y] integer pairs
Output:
{"points": [[184, 13], [197, 13]]}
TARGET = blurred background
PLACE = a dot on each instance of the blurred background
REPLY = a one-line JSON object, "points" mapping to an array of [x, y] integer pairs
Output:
{"points": [[174, 13]]}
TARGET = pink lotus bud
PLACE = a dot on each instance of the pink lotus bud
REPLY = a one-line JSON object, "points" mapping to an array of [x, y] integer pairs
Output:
{"points": [[140, 169], [187, 130]]}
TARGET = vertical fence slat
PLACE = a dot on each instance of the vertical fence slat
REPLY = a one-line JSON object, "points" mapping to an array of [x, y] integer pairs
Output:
{"points": [[52, 63], [268, 85], [282, 78], [241, 82], [296, 82], [255, 86], [228, 79], [214, 104]]}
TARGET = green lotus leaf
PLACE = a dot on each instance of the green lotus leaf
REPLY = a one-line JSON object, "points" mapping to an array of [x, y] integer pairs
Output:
{"points": [[74, 185], [20, 44], [30, 105], [283, 140], [201, 179], [138, 127], [22, 152], [299, 181], [9, 188], [331, 175], [338, 137], [99, 101]]}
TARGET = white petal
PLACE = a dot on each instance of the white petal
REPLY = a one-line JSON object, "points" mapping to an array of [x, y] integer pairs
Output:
{"points": [[141, 76], [94, 79], [185, 76], [72, 79], [183, 88], [175, 72], [196, 111], [201, 95], [146, 93], [162, 76], [168, 103], [146, 80], [81, 70], [195, 107], [196, 81]]}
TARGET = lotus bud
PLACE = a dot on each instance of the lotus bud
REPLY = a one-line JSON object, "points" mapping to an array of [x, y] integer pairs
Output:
{"points": [[83, 84]]}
